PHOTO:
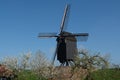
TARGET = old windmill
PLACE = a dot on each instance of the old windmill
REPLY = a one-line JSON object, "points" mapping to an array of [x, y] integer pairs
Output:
{"points": [[66, 48]]}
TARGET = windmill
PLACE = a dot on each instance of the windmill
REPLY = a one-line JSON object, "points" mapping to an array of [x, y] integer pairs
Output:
{"points": [[66, 48]]}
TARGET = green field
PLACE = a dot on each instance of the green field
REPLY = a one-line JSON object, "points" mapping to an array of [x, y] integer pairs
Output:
{"points": [[29, 75], [107, 74]]}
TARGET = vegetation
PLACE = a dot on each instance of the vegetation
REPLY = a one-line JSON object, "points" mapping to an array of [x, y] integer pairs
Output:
{"points": [[106, 74], [26, 67], [29, 75], [90, 62], [37, 67]]}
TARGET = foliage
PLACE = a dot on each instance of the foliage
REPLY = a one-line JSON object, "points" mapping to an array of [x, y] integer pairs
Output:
{"points": [[24, 62], [27, 66], [106, 74], [10, 62], [90, 62], [39, 64], [37, 67]]}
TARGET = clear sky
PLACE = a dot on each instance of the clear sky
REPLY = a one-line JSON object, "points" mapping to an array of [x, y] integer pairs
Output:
{"points": [[22, 20]]}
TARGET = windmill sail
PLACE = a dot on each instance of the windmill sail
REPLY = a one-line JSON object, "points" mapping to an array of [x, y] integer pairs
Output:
{"points": [[64, 20]]}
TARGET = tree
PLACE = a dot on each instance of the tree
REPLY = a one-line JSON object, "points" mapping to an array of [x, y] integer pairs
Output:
{"points": [[39, 64], [10, 62], [90, 62], [24, 61]]}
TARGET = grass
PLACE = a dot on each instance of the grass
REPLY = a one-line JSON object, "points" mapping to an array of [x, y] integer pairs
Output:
{"points": [[106, 74], [29, 75]]}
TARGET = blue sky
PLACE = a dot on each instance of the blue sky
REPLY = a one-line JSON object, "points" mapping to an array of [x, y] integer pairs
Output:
{"points": [[22, 20]]}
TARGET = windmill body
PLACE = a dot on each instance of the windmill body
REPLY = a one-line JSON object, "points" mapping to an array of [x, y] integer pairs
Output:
{"points": [[71, 50], [66, 48]]}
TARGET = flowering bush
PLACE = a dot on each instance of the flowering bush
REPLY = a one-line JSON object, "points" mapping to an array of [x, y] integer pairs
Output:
{"points": [[5, 72]]}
